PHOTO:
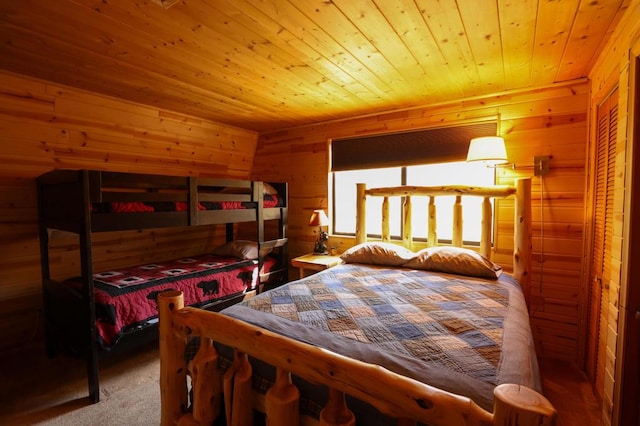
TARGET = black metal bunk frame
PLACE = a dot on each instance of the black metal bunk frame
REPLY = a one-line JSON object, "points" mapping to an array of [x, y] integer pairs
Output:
{"points": [[64, 200]]}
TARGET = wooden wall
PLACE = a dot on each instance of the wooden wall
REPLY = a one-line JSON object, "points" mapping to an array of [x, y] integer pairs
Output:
{"points": [[45, 126], [551, 121], [612, 69]]}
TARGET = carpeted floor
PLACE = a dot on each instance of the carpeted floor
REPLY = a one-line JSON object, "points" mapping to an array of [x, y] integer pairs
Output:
{"points": [[35, 390]]}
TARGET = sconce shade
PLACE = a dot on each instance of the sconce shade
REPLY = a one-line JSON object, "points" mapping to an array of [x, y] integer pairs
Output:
{"points": [[319, 218], [487, 149]]}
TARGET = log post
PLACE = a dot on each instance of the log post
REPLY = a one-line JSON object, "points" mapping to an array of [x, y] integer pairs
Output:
{"points": [[456, 240], [336, 412], [206, 383], [386, 233], [522, 237], [487, 221], [407, 233], [241, 408], [516, 405], [361, 213], [283, 401], [432, 237], [173, 367]]}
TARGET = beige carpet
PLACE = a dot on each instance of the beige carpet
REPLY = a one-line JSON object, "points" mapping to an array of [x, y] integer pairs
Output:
{"points": [[35, 390]]}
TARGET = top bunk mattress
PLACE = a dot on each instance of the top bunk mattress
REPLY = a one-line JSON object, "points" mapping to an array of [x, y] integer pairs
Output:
{"points": [[270, 201]]}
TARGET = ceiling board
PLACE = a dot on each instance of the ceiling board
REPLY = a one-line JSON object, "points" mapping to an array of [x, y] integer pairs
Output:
{"points": [[272, 64]]}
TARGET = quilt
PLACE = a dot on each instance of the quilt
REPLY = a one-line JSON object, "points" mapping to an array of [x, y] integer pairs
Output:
{"points": [[125, 299], [461, 334]]}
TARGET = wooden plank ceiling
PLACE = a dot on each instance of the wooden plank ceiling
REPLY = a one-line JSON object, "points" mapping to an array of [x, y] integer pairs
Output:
{"points": [[272, 64]]}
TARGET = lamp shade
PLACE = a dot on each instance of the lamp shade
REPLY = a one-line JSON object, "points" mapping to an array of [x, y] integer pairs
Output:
{"points": [[319, 218], [487, 149]]}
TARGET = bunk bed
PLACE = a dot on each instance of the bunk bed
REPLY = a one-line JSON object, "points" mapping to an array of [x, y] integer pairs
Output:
{"points": [[440, 336], [93, 311]]}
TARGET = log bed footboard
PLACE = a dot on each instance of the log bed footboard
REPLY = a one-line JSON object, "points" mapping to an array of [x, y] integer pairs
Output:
{"points": [[392, 394]]}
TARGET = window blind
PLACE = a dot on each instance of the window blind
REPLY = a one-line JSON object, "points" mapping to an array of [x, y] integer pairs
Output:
{"points": [[428, 146]]}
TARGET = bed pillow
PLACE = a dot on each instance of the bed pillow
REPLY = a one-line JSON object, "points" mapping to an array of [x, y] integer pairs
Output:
{"points": [[241, 249], [387, 254], [266, 189], [454, 260]]}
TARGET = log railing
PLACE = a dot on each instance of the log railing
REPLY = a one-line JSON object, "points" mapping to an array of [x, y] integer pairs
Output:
{"points": [[392, 394]]}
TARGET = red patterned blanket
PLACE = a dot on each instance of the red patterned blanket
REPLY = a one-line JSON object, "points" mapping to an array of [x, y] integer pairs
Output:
{"points": [[125, 299]]}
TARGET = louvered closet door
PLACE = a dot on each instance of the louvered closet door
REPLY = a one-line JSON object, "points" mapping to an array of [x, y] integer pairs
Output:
{"points": [[600, 268]]}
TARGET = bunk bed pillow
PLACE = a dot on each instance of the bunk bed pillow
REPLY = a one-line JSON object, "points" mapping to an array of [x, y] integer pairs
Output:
{"points": [[242, 249], [267, 190], [386, 254], [455, 260]]}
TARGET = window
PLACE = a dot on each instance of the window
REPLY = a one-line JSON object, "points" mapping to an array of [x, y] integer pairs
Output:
{"points": [[450, 173], [427, 157], [344, 197]]}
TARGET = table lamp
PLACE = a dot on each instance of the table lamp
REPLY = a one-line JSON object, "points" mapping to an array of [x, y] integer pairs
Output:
{"points": [[320, 219]]}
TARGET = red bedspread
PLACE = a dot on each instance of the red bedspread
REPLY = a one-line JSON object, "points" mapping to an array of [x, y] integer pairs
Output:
{"points": [[140, 207], [125, 299]]}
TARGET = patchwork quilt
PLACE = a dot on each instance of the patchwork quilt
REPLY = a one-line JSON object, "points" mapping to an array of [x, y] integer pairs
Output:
{"points": [[465, 335]]}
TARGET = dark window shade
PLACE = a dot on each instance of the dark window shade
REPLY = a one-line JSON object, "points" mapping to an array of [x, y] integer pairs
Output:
{"points": [[429, 146]]}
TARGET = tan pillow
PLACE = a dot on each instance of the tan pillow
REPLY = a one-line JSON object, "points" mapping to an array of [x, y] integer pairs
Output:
{"points": [[454, 260], [239, 248], [387, 254], [266, 189]]}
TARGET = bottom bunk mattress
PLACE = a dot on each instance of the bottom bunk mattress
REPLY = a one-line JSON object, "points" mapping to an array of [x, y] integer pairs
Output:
{"points": [[125, 299], [462, 334]]}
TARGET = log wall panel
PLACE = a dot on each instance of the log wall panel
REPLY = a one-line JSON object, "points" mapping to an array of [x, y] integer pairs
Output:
{"points": [[45, 126], [550, 121]]}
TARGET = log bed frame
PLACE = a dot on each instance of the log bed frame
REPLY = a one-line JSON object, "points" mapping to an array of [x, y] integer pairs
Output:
{"points": [[406, 399]]}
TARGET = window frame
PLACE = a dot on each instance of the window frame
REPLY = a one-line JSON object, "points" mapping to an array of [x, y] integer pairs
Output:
{"points": [[403, 181]]}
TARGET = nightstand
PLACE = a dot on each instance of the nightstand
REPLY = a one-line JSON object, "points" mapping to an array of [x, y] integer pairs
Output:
{"points": [[315, 263]]}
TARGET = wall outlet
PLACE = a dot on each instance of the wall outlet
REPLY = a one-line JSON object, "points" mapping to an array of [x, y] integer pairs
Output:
{"points": [[541, 165]]}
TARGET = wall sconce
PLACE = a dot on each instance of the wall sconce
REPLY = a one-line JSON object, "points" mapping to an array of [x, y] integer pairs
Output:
{"points": [[489, 150], [320, 219]]}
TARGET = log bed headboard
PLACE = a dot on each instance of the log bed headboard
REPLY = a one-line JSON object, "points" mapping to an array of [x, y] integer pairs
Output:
{"points": [[391, 393], [521, 190]]}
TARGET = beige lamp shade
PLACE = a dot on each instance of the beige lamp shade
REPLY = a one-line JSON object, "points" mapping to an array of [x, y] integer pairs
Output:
{"points": [[319, 218], [487, 149]]}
